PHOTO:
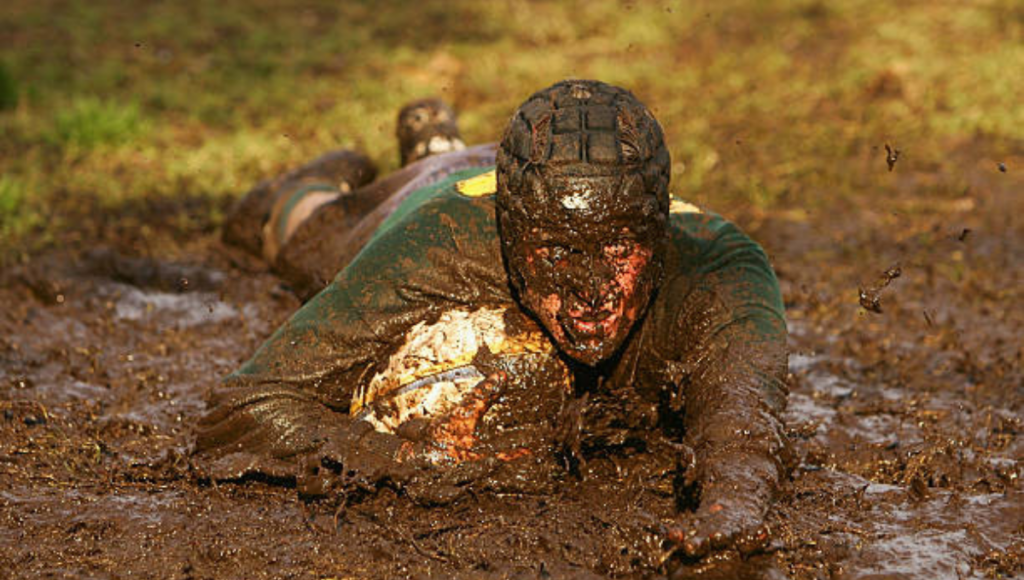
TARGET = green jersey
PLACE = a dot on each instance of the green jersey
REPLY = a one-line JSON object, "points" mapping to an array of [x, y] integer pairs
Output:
{"points": [[425, 311]]}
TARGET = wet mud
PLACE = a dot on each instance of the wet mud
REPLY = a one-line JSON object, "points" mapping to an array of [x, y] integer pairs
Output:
{"points": [[907, 423]]}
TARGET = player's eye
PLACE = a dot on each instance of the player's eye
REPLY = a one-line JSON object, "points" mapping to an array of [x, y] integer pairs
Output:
{"points": [[553, 254], [619, 249]]}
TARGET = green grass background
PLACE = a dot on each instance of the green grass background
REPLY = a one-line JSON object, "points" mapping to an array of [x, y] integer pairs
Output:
{"points": [[770, 104]]}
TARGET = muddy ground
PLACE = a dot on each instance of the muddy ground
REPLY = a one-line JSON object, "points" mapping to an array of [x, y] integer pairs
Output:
{"points": [[907, 421]]}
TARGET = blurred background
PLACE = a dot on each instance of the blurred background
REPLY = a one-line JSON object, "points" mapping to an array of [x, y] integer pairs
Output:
{"points": [[770, 105], [128, 128]]}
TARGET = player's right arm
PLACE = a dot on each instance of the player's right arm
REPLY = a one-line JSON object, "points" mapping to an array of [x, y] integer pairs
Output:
{"points": [[286, 412]]}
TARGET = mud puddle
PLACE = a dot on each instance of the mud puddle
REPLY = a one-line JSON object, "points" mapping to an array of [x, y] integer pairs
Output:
{"points": [[907, 427], [930, 527]]}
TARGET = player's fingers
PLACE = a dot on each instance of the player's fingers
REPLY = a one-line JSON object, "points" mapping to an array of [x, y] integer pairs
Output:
{"points": [[702, 534], [490, 388], [686, 534], [718, 527], [696, 544], [478, 401], [415, 429], [722, 528], [754, 540]]}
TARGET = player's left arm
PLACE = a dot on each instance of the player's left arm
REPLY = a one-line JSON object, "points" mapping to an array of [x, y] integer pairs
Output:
{"points": [[734, 395]]}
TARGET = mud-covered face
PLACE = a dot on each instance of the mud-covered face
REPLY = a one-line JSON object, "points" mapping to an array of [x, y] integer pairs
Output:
{"points": [[586, 262]]}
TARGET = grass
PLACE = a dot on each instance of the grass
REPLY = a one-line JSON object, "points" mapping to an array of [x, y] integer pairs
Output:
{"points": [[8, 90], [15, 221], [87, 123], [774, 104]]}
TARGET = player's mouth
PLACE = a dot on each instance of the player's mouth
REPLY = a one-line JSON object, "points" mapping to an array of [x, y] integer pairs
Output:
{"points": [[600, 324], [589, 325]]}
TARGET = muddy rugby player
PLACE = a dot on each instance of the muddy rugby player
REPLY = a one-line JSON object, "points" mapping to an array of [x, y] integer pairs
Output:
{"points": [[512, 321]]}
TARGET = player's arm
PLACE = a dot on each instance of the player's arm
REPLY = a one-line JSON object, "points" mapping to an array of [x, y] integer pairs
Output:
{"points": [[284, 414], [734, 395]]}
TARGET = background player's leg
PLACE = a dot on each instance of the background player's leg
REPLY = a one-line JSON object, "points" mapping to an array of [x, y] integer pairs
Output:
{"points": [[328, 240], [427, 127], [342, 169]]}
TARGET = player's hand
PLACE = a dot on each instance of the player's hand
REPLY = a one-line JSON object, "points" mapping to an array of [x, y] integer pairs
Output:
{"points": [[451, 438], [444, 449], [722, 522], [735, 494], [457, 464], [354, 456]]}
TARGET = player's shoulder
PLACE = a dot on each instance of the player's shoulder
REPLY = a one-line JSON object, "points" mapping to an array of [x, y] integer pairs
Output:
{"points": [[687, 220], [474, 187], [463, 201], [691, 227], [438, 203], [466, 193], [477, 184], [705, 241]]}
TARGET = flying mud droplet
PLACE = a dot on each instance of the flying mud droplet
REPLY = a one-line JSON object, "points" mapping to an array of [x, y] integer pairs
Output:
{"points": [[871, 298], [963, 234], [1002, 167], [891, 274], [891, 156], [928, 318]]}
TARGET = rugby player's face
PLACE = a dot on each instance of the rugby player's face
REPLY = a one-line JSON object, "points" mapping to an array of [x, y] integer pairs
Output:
{"points": [[587, 290]]}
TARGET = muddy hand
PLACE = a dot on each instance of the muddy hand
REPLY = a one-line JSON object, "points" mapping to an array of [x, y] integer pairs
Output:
{"points": [[725, 519], [449, 447], [457, 432], [353, 456], [450, 438]]}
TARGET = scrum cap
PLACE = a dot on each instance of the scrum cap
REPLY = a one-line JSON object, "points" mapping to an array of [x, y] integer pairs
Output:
{"points": [[581, 128]]}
